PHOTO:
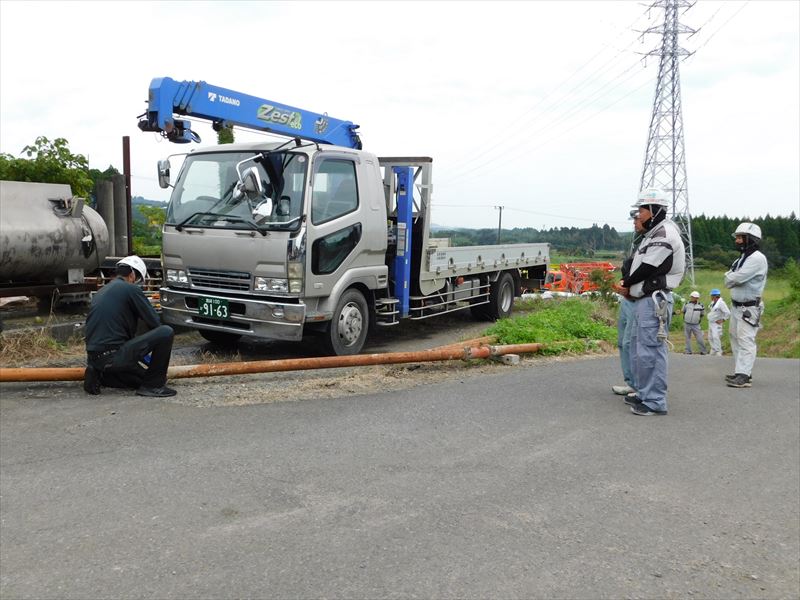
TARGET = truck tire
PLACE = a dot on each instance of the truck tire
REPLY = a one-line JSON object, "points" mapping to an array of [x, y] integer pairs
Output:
{"points": [[219, 338], [346, 332], [501, 300]]}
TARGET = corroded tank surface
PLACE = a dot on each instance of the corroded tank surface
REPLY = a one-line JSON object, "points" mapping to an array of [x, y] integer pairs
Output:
{"points": [[45, 236]]}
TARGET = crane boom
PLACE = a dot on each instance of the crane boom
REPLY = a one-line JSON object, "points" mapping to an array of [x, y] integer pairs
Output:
{"points": [[221, 106]]}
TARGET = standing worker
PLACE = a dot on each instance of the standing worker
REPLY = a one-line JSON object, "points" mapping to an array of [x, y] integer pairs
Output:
{"points": [[626, 321], [746, 280], [657, 268], [692, 317], [113, 350], [718, 313]]}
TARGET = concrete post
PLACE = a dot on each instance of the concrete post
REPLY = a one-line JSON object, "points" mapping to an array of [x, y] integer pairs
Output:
{"points": [[104, 192], [120, 216]]}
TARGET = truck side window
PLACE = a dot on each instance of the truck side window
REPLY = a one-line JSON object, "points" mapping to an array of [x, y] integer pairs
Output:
{"points": [[329, 252], [335, 190]]}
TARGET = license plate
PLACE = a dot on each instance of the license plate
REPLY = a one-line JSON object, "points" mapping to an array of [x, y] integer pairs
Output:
{"points": [[215, 308]]}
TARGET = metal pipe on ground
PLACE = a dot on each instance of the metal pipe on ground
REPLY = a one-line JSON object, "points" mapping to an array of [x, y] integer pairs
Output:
{"points": [[291, 364]]}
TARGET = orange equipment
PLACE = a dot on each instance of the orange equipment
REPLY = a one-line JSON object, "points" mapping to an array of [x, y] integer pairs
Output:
{"points": [[575, 277]]}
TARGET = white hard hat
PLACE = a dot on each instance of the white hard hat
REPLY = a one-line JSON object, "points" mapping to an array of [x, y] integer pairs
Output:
{"points": [[750, 229], [135, 263], [650, 196], [694, 295]]}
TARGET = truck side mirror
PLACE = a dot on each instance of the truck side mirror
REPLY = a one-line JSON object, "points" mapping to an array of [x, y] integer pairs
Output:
{"points": [[163, 173], [251, 184]]}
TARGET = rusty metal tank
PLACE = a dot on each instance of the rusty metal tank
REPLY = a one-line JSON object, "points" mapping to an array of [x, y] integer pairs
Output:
{"points": [[46, 236]]}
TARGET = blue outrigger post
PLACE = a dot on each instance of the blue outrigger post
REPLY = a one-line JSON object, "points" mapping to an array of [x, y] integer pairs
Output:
{"points": [[402, 259]]}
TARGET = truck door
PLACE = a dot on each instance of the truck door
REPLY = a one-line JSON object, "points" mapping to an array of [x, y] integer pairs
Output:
{"points": [[335, 221]]}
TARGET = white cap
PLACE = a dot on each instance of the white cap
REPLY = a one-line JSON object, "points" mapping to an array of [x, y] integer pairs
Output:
{"points": [[137, 264], [750, 229], [694, 295], [650, 196]]}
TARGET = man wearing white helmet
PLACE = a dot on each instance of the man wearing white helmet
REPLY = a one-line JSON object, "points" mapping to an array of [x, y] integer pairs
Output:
{"points": [[746, 280], [718, 313], [657, 268], [692, 316], [113, 350]]}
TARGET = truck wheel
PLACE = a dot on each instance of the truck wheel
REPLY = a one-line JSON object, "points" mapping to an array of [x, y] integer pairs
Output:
{"points": [[501, 300], [346, 332], [219, 338]]}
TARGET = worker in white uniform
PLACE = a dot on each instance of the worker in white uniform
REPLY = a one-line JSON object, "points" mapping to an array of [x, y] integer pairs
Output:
{"points": [[657, 268], [718, 313], [746, 280]]}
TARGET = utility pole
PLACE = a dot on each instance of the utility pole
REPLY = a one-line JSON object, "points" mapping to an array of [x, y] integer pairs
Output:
{"points": [[499, 222], [665, 156]]}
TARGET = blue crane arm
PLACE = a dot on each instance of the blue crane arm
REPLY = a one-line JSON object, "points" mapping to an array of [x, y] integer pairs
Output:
{"points": [[168, 98]]}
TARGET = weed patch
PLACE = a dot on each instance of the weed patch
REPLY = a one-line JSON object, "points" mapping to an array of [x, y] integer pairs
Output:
{"points": [[571, 325]]}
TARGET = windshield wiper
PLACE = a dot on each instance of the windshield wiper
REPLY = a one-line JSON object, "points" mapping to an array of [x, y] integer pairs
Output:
{"points": [[253, 226], [180, 225], [221, 217]]}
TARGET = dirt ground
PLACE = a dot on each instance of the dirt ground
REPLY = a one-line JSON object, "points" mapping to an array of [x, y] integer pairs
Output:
{"points": [[190, 348]]}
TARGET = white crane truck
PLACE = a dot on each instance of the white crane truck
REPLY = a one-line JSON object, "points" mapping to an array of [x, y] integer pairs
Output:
{"points": [[312, 235]]}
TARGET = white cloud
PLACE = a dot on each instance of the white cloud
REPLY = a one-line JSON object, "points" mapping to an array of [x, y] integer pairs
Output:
{"points": [[538, 106]]}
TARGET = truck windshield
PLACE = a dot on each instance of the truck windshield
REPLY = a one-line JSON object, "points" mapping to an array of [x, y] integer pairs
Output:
{"points": [[204, 195]]}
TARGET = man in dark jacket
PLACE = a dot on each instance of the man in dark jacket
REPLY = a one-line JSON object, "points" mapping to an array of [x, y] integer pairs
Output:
{"points": [[116, 356]]}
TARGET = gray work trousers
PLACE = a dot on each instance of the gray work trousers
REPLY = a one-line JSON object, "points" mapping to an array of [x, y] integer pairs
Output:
{"points": [[690, 330], [650, 353], [625, 325]]}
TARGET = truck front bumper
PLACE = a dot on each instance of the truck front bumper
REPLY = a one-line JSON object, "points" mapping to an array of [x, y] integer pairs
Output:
{"points": [[259, 318]]}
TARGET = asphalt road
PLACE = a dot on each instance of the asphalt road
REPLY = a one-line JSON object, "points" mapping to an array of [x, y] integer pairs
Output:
{"points": [[528, 481]]}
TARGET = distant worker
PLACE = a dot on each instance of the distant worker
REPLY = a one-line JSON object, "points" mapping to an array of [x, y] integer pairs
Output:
{"points": [[718, 313], [626, 321], [693, 312], [113, 350], [746, 280], [657, 268]]}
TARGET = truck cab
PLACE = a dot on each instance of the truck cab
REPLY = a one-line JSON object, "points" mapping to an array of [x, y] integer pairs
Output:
{"points": [[265, 263]]}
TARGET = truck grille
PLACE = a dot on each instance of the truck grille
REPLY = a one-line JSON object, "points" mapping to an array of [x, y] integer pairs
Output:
{"points": [[219, 280]]}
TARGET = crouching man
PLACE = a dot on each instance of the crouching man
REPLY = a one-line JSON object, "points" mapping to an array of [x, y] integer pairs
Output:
{"points": [[113, 350]]}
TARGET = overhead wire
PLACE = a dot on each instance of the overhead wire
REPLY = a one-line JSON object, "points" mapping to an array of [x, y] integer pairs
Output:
{"points": [[518, 121]]}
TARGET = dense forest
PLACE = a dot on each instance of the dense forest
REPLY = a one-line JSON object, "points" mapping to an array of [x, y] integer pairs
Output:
{"points": [[711, 236]]}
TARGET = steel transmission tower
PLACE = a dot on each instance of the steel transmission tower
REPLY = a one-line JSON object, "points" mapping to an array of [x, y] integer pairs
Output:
{"points": [[665, 157]]}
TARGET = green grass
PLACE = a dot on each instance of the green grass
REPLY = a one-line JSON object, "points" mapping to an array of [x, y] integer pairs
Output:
{"points": [[569, 325]]}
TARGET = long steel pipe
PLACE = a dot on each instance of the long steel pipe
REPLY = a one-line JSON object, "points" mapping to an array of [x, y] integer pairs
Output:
{"points": [[290, 364]]}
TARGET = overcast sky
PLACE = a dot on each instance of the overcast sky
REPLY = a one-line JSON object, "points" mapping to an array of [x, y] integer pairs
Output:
{"points": [[541, 107]]}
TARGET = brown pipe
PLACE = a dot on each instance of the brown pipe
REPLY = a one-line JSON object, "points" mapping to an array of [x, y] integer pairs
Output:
{"points": [[291, 364], [487, 339]]}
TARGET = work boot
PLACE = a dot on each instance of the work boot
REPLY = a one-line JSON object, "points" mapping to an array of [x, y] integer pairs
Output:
{"points": [[156, 392], [622, 390], [740, 380], [643, 410], [730, 377], [632, 400], [91, 381]]}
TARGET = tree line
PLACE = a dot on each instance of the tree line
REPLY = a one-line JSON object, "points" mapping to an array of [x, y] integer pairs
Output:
{"points": [[712, 242]]}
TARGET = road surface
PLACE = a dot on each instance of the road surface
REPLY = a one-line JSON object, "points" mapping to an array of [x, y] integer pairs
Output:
{"points": [[494, 482]]}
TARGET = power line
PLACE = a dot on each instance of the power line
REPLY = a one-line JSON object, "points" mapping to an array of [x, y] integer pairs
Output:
{"points": [[516, 128]]}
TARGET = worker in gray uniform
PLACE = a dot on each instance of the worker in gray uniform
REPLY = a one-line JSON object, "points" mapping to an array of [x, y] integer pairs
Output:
{"points": [[658, 266], [693, 312], [115, 355], [746, 280]]}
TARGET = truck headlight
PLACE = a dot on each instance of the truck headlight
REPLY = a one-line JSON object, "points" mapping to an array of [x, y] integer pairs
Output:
{"points": [[177, 277], [267, 284]]}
